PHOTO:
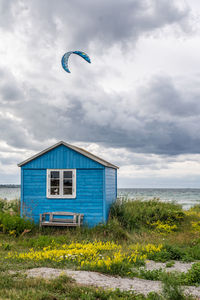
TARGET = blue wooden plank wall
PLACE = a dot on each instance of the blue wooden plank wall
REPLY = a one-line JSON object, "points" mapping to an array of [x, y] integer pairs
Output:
{"points": [[110, 189], [89, 194], [62, 157]]}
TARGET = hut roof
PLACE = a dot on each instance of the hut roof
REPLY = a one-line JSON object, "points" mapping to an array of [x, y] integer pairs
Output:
{"points": [[75, 148]]}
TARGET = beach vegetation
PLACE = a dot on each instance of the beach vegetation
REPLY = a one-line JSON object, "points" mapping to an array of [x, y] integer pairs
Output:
{"points": [[196, 226], [162, 215], [13, 224], [12, 206], [170, 264], [17, 286], [164, 228], [137, 231], [106, 257], [172, 287], [193, 275]]}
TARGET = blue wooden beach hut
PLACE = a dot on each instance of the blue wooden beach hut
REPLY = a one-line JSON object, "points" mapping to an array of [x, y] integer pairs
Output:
{"points": [[67, 178]]}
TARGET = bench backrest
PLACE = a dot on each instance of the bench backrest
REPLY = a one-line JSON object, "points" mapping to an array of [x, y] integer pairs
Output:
{"points": [[74, 218]]}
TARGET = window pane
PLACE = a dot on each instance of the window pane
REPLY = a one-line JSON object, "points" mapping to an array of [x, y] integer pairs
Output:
{"points": [[67, 182], [67, 174], [54, 191], [54, 182], [55, 174], [67, 191]]}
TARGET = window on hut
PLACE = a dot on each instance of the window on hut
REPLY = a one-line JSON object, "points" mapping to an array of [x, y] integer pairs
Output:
{"points": [[61, 183]]}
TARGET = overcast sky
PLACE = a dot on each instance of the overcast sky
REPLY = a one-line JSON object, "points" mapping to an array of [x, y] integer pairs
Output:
{"points": [[136, 105]]}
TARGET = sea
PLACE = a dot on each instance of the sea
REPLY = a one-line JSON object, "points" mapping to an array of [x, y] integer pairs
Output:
{"points": [[186, 197]]}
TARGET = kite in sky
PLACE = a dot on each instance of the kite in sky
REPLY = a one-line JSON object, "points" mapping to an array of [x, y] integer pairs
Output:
{"points": [[66, 56]]}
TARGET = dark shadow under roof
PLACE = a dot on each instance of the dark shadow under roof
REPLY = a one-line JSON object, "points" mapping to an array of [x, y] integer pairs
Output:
{"points": [[77, 149]]}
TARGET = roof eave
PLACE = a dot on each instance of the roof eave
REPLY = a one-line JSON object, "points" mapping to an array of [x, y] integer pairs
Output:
{"points": [[89, 155], [39, 154]]}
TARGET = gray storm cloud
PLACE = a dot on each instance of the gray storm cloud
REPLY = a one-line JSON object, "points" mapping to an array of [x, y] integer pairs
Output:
{"points": [[156, 117], [162, 120], [84, 22]]}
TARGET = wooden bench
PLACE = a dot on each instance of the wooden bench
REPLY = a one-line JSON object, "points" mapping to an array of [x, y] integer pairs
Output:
{"points": [[74, 219]]}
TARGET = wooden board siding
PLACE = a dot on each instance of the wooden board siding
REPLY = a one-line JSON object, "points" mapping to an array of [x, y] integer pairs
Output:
{"points": [[89, 192], [22, 192], [62, 158], [110, 189]]}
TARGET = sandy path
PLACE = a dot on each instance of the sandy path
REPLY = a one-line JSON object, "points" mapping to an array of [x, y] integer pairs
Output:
{"points": [[178, 266], [96, 279]]}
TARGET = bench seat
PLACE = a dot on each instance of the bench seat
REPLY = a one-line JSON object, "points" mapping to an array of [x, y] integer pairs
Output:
{"points": [[72, 219]]}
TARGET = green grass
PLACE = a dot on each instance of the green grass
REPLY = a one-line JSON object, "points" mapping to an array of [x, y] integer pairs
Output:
{"points": [[127, 225], [19, 287], [137, 214]]}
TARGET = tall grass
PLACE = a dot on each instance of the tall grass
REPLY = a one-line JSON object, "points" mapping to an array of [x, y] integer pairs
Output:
{"points": [[10, 220], [142, 214], [12, 206]]}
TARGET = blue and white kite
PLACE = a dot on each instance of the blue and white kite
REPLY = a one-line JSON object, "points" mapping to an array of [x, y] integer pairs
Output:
{"points": [[66, 56]]}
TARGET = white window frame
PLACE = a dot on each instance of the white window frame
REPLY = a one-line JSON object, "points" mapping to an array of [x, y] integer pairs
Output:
{"points": [[61, 195]]}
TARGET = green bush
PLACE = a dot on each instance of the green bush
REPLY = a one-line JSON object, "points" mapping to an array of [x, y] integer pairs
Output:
{"points": [[14, 224], [38, 242], [112, 229], [117, 268], [194, 251], [193, 275], [170, 264], [150, 274], [15, 206], [172, 287], [195, 208], [10, 206], [139, 214], [172, 252]]}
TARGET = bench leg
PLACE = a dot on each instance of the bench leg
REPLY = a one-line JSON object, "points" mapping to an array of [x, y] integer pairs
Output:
{"points": [[40, 220], [79, 220]]}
